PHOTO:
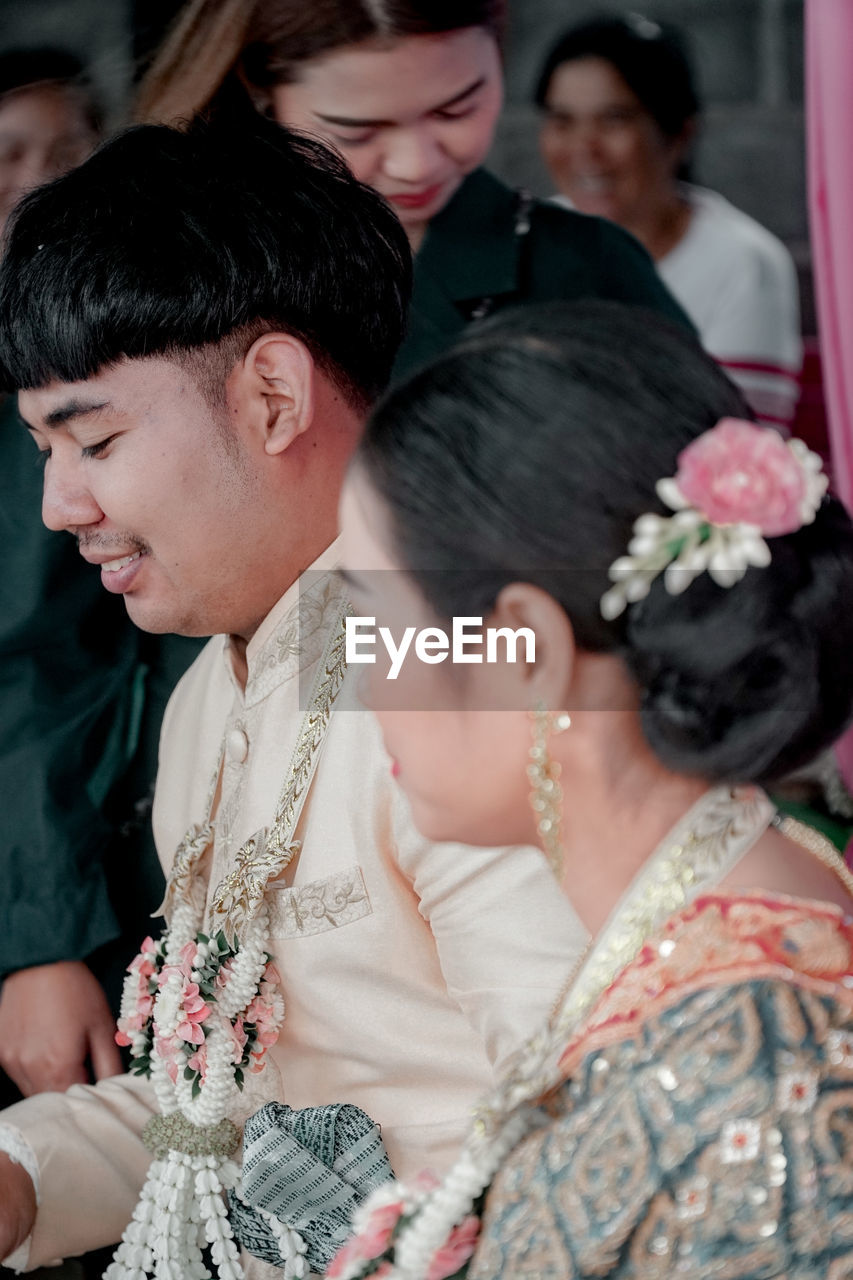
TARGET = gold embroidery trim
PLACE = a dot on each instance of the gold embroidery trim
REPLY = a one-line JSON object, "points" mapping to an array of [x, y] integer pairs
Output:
{"points": [[696, 855], [188, 855], [816, 844], [268, 852]]}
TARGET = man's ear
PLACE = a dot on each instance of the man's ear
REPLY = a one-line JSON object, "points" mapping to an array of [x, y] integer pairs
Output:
{"points": [[272, 390]]}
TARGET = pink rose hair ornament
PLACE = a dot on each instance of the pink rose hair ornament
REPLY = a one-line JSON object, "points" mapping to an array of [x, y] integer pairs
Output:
{"points": [[736, 485]]}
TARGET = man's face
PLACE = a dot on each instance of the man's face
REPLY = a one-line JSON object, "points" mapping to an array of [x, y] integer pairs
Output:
{"points": [[161, 490]]}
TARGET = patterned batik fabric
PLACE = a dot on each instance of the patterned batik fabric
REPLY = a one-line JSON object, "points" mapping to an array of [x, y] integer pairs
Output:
{"points": [[706, 1125], [311, 1169]]}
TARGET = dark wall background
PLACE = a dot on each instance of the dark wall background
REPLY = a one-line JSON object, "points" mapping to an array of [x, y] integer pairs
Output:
{"points": [[748, 54], [96, 30]]}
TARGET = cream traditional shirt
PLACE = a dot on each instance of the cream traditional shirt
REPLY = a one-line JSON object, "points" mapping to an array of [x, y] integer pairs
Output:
{"points": [[410, 971]]}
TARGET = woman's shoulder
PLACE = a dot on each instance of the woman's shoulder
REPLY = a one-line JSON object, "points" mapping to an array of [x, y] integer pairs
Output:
{"points": [[718, 226], [703, 1134], [722, 940]]}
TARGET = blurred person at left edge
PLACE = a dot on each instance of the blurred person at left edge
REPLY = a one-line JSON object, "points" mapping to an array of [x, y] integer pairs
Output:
{"points": [[82, 693]]}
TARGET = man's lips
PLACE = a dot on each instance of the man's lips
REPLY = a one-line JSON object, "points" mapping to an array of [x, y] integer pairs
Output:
{"points": [[118, 573], [110, 562]]}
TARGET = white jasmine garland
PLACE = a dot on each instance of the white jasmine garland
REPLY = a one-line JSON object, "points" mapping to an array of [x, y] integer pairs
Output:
{"points": [[195, 1012], [431, 1215], [291, 1246], [447, 1206]]}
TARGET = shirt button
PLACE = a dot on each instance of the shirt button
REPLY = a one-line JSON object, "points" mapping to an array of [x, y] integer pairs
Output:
{"points": [[236, 746]]}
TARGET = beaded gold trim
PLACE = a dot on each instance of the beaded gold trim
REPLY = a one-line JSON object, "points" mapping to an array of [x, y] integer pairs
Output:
{"points": [[174, 1132]]}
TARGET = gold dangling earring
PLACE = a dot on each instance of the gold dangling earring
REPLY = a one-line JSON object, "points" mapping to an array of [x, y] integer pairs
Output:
{"points": [[546, 798]]}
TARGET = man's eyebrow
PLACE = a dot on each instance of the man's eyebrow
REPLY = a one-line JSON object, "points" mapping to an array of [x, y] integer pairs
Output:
{"points": [[73, 409], [353, 123]]}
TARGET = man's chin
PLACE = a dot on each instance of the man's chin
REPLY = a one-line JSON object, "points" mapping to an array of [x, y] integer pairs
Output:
{"points": [[159, 620]]}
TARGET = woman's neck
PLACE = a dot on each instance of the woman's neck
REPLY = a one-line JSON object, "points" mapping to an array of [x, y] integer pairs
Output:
{"points": [[619, 803], [661, 225]]}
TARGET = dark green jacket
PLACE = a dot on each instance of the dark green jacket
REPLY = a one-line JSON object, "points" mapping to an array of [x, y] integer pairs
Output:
{"points": [[82, 693], [474, 260]]}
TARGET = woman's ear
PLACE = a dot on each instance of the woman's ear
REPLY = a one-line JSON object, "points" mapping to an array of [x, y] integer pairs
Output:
{"points": [[544, 645], [273, 390]]}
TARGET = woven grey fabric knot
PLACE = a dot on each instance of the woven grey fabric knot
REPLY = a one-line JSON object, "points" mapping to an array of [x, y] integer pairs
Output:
{"points": [[310, 1169]]}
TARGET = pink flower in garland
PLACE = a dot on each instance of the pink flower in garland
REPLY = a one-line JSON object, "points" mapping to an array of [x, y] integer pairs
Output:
{"points": [[144, 1005], [346, 1257], [144, 963], [376, 1236], [166, 1047], [266, 1016], [198, 1061], [194, 1010], [136, 1020], [165, 1012], [372, 1240], [145, 968], [187, 955], [460, 1245], [238, 1037]]}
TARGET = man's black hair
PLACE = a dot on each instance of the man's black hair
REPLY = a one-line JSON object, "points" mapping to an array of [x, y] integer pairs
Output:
{"points": [[166, 242]]}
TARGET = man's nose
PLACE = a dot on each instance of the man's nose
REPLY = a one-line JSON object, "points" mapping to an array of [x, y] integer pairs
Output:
{"points": [[67, 502]]}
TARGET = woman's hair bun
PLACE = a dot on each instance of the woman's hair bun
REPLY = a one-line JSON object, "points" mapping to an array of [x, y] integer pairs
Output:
{"points": [[751, 684], [528, 453]]}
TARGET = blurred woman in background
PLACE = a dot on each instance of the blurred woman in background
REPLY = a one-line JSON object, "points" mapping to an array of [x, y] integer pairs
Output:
{"points": [[409, 92], [49, 120], [620, 112]]}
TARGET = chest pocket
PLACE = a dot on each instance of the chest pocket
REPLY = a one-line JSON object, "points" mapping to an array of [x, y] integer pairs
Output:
{"points": [[321, 905]]}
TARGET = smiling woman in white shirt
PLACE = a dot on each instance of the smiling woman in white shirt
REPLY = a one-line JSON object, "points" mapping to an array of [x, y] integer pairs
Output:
{"points": [[620, 110]]}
